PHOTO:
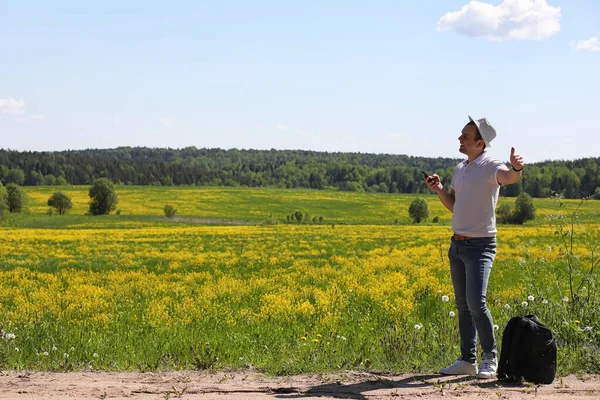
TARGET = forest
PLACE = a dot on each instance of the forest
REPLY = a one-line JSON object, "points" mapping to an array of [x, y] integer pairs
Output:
{"points": [[383, 173]]}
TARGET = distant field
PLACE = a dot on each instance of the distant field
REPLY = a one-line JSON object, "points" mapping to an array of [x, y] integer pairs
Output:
{"points": [[258, 205], [137, 291]]}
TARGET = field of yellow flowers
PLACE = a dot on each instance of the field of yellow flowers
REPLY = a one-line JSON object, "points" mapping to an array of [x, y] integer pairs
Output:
{"points": [[120, 293]]}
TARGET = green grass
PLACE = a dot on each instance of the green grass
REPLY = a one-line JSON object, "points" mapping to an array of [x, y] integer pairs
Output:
{"points": [[143, 205]]}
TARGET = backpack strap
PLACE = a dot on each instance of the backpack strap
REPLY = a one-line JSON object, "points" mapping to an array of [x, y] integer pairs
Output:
{"points": [[516, 357], [504, 370]]}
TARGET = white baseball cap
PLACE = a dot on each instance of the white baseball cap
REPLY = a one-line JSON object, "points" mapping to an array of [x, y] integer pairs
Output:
{"points": [[486, 130]]}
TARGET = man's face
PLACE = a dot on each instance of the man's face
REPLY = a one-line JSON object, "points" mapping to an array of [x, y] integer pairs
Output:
{"points": [[468, 143]]}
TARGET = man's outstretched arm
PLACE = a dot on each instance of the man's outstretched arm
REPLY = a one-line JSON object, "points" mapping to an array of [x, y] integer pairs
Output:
{"points": [[507, 176]]}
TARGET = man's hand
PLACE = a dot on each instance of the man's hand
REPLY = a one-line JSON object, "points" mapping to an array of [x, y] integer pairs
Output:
{"points": [[515, 159], [434, 182]]}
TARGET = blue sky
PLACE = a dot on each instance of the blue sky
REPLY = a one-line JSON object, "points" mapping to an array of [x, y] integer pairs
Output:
{"points": [[380, 76]]}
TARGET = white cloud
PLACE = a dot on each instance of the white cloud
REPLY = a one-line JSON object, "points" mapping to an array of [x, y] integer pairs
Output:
{"points": [[592, 44], [12, 106], [38, 117], [512, 19], [166, 122], [282, 127]]}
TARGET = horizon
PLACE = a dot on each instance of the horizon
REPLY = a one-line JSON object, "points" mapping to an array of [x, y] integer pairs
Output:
{"points": [[384, 78]]}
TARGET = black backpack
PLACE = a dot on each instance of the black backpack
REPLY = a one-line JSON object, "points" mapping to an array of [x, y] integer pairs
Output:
{"points": [[528, 351]]}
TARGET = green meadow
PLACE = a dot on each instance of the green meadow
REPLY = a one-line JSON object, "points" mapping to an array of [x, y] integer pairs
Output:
{"points": [[228, 284]]}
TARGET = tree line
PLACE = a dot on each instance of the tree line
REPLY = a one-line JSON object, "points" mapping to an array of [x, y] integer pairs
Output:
{"points": [[384, 173]]}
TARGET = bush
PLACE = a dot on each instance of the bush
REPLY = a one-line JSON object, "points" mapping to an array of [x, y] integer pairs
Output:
{"points": [[169, 210], [436, 219], [15, 198], [504, 214], [300, 217], [61, 202], [418, 210], [103, 198], [524, 209], [596, 194]]}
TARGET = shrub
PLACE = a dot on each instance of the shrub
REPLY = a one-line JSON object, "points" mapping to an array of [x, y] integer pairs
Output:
{"points": [[169, 210], [61, 202], [418, 210]]}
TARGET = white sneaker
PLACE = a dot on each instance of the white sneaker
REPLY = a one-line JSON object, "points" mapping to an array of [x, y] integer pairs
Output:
{"points": [[460, 367], [488, 369]]}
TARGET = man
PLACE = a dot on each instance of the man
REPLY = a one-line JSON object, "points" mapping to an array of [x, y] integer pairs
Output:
{"points": [[472, 200]]}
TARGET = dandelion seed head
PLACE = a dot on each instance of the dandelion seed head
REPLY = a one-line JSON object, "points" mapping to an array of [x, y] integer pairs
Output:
{"points": [[95, 355], [445, 298], [544, 301], [451, 314], [524, 304], [530, 298], [418, 326], [496, 327], [507, 306], [565, 299]]}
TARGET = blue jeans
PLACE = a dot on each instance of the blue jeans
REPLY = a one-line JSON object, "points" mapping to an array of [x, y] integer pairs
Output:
{"points": [[470, 266]]}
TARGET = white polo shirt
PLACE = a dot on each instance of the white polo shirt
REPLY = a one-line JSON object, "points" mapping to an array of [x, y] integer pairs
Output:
{"points": [[475, 196]]}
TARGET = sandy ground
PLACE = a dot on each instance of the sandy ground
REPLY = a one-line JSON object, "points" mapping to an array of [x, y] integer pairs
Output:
{"points": [[253, 385]]}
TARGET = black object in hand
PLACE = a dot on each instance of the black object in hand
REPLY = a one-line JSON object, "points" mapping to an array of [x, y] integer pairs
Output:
{"points": [[426, 175]]}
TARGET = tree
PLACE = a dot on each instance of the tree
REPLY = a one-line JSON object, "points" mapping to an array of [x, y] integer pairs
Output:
{"points": [[15, 175], [3, 200], [597, 193], [103, 198], [49, 180], [524, 209], [418, 210], [34, 178], [15, 198], [61, 202]]}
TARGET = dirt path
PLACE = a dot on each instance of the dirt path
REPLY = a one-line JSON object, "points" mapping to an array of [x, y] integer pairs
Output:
{"points": [[252, 385]]}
